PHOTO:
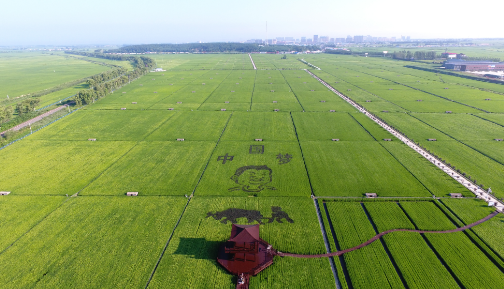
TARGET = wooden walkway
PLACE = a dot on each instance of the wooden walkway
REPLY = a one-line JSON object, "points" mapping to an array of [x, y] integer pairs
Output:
{"points": [[339, 253]]}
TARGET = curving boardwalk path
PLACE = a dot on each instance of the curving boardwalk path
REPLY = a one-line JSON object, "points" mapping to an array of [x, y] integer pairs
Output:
{"points": [[339, 253]]}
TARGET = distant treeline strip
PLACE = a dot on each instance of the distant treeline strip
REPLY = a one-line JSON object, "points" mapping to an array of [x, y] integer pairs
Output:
{"points": [[457, 75], [210, 47], [105, 83]]}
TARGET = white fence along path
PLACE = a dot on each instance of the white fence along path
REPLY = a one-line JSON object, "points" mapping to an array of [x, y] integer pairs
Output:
{"points": [[480, 193], [252, 60]]}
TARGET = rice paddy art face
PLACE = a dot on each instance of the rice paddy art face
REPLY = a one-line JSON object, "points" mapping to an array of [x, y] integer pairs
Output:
{"points": [[252, 179]]}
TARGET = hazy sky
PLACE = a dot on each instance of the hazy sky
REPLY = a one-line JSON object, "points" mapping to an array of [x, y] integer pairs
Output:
{"points": [[70, 22]]}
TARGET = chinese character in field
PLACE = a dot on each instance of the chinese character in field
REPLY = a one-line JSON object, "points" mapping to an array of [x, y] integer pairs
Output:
{"points": [[283, 159], [225, 158], [256, 149]]}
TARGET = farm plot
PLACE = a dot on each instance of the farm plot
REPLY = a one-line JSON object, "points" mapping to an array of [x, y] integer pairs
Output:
{"points": [[105, 125], [312, 101], [326, 126], [417, 263], [93, 242], [155, 168], [248, 126], [207, 223], [382, 106], [355, 168], [412, 127], [57, 96], [33, 167], [20, 213], [23, 73], [352, 227], [463, 126], [436, 181], [471, 210], [470, 265], [268, 168], [192, 126]]}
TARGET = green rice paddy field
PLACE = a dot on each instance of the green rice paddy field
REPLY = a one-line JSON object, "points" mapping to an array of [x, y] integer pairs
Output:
{"points": [[212, 135]]}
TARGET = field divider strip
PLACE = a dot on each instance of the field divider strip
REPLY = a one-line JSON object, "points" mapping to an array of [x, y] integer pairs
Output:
{"points": [[336, 244], [440, 258], [211, 155], [438, 163], [302, 155], [292, 90], [213, 91], [34, 225], [253, 90], [167, 244], [385, 247]]}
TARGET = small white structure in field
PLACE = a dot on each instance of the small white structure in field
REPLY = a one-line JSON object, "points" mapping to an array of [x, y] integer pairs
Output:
{"points": [[335, 139], [488, 99], [132, 194], [232, 90], [384, 111], [179, 102], [237, 83], [387, 139], [312, 90], [159, 69], [258, 139], [419, 100], [180, 139], [134, 102], [155, 91], [274, 101], [123, 108], [431, 139], [448, 111], [202, 84], [4, 193], [193, 91], [456, 195], [91, 139], [368, 100], [322, 101], [498, 139], [276, 109], [171, 108], [272, 91], [371, 195], [222, 109], [124, 91], [332, 110], [226, 101]]}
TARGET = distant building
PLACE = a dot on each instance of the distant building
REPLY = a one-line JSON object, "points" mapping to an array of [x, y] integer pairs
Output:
{"points": [[315, 39], [358, 39], [448, 55], [324, 39], [474, 65], [332, 40], [349, 39], [280, 39], [340, 40], [309, 40], [303, 39]]}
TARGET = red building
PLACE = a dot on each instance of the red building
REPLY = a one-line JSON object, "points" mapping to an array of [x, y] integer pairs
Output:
{"points": [[245, 253]]}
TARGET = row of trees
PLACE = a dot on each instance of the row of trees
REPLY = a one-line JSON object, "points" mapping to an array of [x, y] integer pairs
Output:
{"points": [[210, 47], [104, 83], [27, 106]]}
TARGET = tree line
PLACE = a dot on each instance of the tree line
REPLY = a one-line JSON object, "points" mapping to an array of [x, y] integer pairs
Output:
{"points": [[106, 82], [210, 47]]}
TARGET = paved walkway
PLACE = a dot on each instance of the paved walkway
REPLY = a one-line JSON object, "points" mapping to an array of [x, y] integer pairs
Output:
{"points": [[339, 253], [35, 119], [449, 171], [252, 60]]}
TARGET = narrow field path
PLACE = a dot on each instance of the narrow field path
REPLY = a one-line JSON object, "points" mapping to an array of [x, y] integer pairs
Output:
{"points": [[252, 60], [339, 253], [35, 119]]}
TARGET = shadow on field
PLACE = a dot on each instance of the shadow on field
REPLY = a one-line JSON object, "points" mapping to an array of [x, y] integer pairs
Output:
{"points": [[198, 248]]}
